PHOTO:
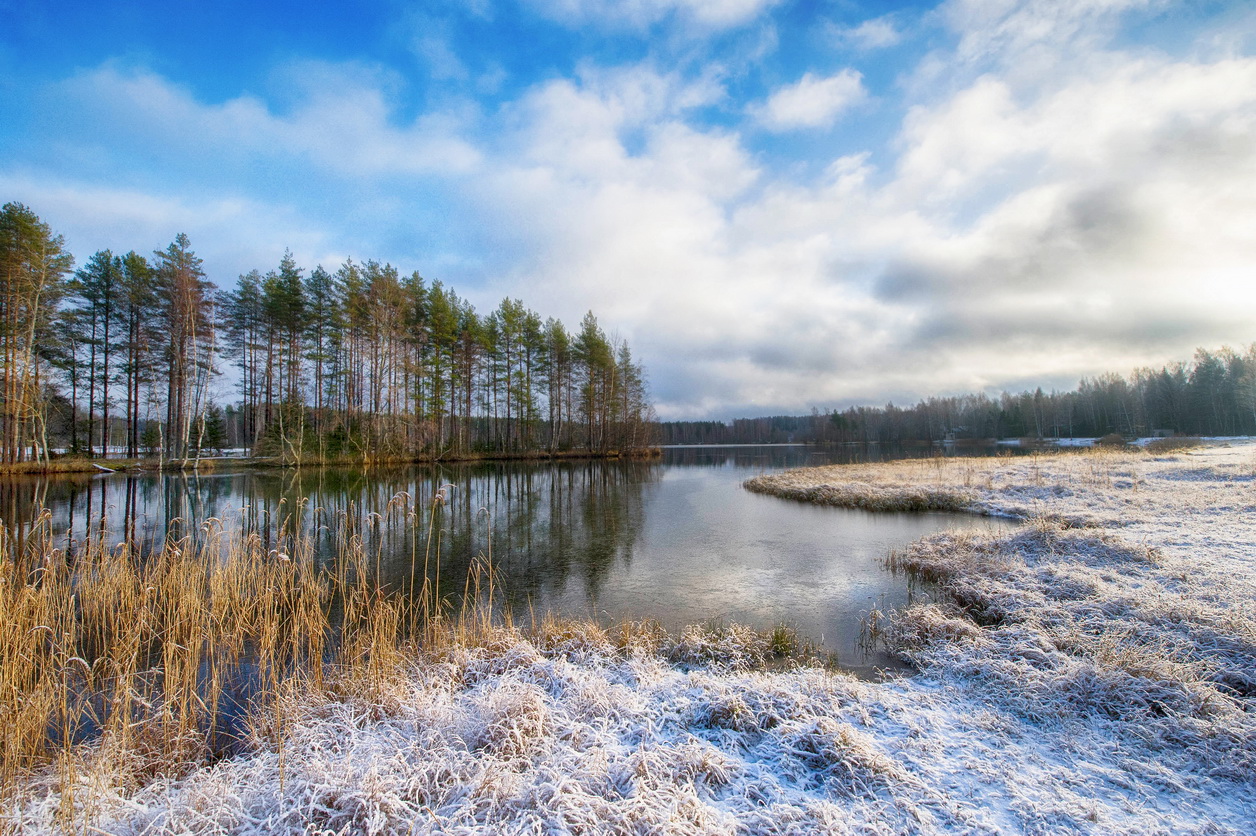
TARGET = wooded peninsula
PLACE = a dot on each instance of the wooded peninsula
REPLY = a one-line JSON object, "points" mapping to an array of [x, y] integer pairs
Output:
{"points": [[363, 364]]}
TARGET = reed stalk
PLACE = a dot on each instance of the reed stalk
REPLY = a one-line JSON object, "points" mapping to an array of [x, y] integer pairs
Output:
{"points": [[131, 652]]}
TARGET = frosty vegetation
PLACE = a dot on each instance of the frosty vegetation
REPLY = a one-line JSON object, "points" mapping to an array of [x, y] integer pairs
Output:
{"points": [[1090, 672]]}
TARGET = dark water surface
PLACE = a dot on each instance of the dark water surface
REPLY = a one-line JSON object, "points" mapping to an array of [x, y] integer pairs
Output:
{"points": [[676, 539]]}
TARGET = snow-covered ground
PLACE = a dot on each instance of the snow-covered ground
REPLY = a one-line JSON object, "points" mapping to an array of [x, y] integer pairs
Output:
{"points": [[1095, 673]]}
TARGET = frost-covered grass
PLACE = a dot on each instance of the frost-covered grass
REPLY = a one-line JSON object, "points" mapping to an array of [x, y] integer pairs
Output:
{"points": [[1066, 623], [1090, 672], [578, 731]]}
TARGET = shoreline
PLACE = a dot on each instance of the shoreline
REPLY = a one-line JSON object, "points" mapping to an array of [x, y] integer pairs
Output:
{"points": [[217, 463], [1092, 672]]}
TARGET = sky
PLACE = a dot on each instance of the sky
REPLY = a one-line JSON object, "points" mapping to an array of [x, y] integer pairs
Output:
{"points": [[779, 205]]}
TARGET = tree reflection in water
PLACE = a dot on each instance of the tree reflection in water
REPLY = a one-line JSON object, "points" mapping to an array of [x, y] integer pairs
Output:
{"points": [[544, 525]]}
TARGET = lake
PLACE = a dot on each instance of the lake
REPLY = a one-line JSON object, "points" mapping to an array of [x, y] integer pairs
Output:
{"points": [[675, 539]]}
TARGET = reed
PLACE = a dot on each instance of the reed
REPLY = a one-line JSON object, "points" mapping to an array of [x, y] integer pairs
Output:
{"points": [[138, 650], [1173, 444]]}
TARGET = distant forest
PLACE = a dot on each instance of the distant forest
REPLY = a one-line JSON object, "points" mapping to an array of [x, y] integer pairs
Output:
{"points": [[362, 363], [1214, 394]]}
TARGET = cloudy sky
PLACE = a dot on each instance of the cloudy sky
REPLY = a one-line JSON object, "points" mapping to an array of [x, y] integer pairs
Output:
{"points": [[779, 204]]}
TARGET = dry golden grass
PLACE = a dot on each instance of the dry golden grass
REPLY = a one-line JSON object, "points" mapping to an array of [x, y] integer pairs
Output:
{"points": [[70, 464], [1168, 445], [66, 465], [137, 650]]}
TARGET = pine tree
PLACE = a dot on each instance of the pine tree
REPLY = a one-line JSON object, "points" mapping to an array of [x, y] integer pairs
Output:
{"points": [[33, 267], [556, 371], [322, 337], [416, 333], [243, 328], [138, 319], [186, 304], [594, 359], [98, 288], [215, 425]]}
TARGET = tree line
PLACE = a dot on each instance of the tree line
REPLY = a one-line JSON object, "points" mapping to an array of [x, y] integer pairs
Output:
{"points": [[121, 356], [1214, 394]]}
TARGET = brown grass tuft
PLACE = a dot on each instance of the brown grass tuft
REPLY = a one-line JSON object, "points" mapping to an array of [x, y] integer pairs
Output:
{"points": [[140, 651], [1169, 445]]}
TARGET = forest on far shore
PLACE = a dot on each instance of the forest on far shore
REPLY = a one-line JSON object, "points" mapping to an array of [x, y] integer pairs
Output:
{"points": [[364, 363], [1214, 395]]}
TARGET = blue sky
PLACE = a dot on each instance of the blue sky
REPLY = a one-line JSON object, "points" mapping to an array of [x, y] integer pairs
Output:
{"points": [[781, 205]]}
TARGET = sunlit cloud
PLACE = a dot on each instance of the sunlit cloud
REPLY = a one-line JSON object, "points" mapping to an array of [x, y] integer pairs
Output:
{"points": [[813, 102]]}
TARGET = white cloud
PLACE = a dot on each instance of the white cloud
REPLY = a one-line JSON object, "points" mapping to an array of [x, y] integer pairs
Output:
{"points": [[1104, 218], [983, 137], [581, 123], [341, 121], [1089, 227], [436, 51], [231, 232], [814, 102], [876, 33], [1031, 40]]}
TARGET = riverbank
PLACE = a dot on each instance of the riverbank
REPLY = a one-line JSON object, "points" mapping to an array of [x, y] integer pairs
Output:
{"points": [[71, 465], [1089, 673], [67, 465]]}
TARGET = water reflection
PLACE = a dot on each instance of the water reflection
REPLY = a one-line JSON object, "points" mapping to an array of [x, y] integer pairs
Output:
{"points": [[542, 524], [675, 539]]}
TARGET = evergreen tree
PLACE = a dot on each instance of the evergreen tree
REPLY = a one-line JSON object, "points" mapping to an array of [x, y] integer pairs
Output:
{"points": [[215, 426], [443, 307], [138, 301], [186, 304], [244, 328], [33, 267], [556, 372], [322, 337], [596, 369], [98, 288]]}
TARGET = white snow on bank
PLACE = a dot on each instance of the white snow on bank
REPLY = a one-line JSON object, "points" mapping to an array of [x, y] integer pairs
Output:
{"points": [[1090, 442], [583, 740], [1198, 505], [1102, 693]]}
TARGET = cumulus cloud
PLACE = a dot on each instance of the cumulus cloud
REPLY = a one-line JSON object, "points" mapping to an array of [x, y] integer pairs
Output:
{"points": [[1089, 227], [813, 102], [682, 246]]}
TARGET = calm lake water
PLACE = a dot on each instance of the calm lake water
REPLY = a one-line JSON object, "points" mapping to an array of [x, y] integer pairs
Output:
{"points": [[675, 539]]}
